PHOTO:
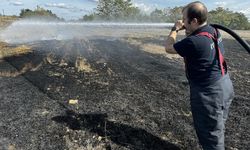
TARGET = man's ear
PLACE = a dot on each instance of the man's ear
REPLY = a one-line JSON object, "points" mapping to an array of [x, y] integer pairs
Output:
{"points": [[195, 20]]}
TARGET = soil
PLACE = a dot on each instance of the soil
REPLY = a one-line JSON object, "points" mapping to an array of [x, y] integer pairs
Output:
{"points": [[109, 93]]}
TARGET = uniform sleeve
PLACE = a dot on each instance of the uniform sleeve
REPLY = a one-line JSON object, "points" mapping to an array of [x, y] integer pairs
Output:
{"points": [[184, 47]]}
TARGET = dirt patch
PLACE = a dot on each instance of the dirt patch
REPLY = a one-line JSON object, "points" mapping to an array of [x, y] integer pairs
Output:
{"points": [[152, 48]]}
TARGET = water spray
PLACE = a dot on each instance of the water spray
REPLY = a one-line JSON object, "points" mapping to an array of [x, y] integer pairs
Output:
{"points": [[25, 31], [94, 24]]}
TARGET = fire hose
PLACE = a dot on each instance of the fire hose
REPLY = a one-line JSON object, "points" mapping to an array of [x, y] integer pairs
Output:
{"points": [[233, 34]]}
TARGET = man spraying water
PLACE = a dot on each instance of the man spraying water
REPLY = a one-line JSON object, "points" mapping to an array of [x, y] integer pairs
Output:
{"points": [[211, 90]]}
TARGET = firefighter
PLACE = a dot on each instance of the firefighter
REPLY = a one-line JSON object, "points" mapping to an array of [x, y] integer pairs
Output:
{"points": [[211, 90]]}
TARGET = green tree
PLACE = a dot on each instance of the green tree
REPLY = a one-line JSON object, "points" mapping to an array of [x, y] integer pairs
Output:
{"points": [[173, 14], [166, 14], [25, 12], [233, 20], [38, 12], [116, 9], [89, 17], [158, 15]]}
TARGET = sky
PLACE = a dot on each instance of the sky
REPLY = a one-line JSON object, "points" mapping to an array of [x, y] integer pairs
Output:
{"points": [[75, 9]]}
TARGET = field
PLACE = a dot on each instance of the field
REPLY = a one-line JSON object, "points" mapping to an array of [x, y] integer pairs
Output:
{"points": [[121, 93], [6, 20]]}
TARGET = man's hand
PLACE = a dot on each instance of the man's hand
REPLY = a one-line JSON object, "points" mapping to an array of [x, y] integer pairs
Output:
{"points": [[179, 25]]}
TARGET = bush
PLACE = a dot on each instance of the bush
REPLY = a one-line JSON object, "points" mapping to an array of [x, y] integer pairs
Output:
{"points": [[38, 12]]}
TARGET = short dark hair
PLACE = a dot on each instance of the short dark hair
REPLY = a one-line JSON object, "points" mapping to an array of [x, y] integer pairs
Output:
{"points": [[196, 10]]}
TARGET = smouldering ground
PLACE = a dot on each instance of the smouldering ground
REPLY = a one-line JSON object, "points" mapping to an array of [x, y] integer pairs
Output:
{"points": [[124, 93]]}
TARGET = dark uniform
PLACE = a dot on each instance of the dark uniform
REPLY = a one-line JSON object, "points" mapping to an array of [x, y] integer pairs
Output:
{"points": [[211, 90]]}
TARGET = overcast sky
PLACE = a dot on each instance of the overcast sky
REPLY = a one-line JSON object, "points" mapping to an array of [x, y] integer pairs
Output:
{"points": [[74, 9]]}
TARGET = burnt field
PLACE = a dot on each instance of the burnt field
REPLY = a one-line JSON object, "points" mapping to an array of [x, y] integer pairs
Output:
{"points": [[109, 93]]}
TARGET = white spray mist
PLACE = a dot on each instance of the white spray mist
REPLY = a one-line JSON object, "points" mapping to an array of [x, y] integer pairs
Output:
{"points": [[30, 30]]}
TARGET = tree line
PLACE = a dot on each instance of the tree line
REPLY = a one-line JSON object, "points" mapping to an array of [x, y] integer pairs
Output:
{"points": [[123, 10], [38, 12]]}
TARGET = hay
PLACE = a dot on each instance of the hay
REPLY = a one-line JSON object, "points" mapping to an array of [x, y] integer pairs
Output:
{"points": [[7, 51]]}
